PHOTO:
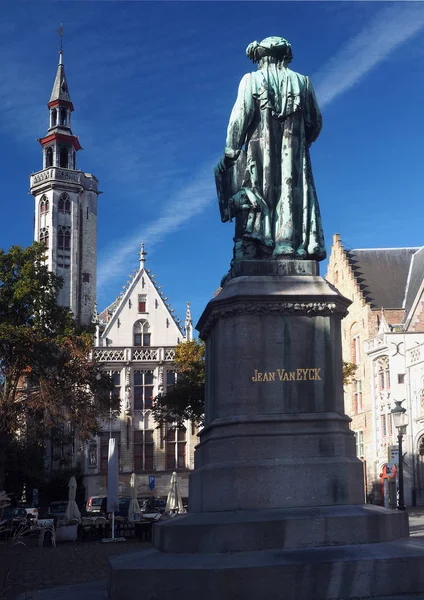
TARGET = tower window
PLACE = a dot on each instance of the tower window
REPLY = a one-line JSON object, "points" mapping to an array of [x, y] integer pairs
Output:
{"points": [[54, 117], [63, 116], [63, 157], [49, 157], [64, 205], [64, 238], [86, 277], [44, 205], [44, 236]]}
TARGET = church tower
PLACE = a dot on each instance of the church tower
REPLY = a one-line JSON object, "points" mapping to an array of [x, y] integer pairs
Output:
{"points": [[66, 206]]}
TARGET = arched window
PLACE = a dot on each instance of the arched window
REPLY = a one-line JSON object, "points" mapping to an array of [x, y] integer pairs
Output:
{"points": [[44, 205], [64, 205], [63, 116], [49, 157], [63, 237], [63, 157], [141, 335], [383, 373], [54, 117], [44, 236]]}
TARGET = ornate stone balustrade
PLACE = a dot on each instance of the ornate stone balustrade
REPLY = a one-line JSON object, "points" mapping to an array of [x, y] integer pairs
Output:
{"points": [[57, 173], [414, 355], [376, 343], [136, 353]]}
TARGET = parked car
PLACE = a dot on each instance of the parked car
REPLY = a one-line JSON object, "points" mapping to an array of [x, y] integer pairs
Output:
{"points": [[124, 504], [58, 508], [14, 516], [94, 504], [31, 510]]}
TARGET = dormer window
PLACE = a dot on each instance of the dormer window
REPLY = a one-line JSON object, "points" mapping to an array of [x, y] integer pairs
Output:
{"points": [[141, 333], [142, 301]]}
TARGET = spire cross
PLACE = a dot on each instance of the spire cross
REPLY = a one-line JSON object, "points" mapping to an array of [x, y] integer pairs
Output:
{"points": [[60, 32], [142, 253]]}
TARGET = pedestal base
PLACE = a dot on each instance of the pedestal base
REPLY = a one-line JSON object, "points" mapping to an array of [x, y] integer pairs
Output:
{"points": [[343, 572]]}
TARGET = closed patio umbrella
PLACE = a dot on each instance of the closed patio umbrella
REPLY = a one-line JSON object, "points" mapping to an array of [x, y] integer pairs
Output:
{"points": [[134, 507], [72, 510], [174, 502]]}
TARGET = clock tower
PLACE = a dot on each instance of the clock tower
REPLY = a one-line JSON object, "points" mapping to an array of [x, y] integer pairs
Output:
{"points": [[66, 206]]}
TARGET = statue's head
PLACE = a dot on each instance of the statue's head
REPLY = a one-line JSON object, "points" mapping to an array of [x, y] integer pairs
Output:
{"points": [[276, 48]]}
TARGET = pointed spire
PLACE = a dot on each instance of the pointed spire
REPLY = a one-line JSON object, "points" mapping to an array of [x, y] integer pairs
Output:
{"points": [[142, 255], [60, 87], [188, 325], [384, 326]]}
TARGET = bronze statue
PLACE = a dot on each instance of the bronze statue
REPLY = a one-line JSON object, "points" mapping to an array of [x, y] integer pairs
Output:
{"points": [[265, 179]]}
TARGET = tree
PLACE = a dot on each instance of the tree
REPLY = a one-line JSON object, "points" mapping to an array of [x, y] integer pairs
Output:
{"points": [[186, 398], [49, 384], [349, 371]]}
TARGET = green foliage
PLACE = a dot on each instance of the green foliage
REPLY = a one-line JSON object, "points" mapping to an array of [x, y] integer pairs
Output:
{"points": [[185, 400], [48, 381], [349, 372]]}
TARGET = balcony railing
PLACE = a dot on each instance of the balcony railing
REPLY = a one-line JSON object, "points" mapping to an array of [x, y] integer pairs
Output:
{"points": [[415, 355], [376, 343], [134, 353]]}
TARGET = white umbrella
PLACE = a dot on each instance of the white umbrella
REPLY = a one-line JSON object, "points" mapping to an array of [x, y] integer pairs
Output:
{"points": [[112, 477], [134, 507], [72, 510], [112, 487], [174, 502]]}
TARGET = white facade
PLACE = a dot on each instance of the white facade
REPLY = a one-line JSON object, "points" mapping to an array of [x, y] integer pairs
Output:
{"points": [[135, 343], [389, 355], [66, 208]]}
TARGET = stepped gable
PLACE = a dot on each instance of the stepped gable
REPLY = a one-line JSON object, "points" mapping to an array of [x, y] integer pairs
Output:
{"points": [[381, 274], [415, 280]]}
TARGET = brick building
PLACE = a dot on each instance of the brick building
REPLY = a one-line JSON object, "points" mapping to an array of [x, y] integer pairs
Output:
{"points": [[383, 327]]}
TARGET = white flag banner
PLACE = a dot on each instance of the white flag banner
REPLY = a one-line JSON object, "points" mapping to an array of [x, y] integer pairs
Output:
{"points": [[112, 477]]}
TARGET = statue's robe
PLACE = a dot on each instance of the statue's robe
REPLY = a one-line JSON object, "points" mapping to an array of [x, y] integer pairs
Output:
{"points": [[274, 120]]}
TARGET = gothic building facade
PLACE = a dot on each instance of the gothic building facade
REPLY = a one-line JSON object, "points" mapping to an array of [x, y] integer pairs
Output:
{"points": [[66, 206], [135, 343]]}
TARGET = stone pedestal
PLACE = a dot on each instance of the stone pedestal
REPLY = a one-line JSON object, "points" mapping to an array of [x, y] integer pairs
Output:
{"points": [[276, 497]]}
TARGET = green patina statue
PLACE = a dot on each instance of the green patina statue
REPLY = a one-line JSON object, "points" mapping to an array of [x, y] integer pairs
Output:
{"points": [[265, 179]]}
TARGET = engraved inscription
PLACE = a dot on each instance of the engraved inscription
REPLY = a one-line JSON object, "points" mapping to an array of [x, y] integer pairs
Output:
{"points": [[284, 375]]}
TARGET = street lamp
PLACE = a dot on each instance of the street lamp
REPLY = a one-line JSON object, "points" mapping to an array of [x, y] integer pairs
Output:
{"points": [[400, 421]]}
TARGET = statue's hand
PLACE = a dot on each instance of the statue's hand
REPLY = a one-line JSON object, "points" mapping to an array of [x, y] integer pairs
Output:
{"points": [[224, 164]]}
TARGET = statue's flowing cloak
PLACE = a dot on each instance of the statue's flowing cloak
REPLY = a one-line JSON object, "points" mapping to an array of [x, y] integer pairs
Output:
{"points": [[275, 119]]}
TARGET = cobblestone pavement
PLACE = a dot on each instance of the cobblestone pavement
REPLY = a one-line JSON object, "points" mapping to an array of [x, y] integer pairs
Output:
{"points": [[26, 568]]}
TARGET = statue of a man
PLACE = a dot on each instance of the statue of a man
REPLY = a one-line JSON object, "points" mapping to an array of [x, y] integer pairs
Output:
{"points": [[265, 179]]}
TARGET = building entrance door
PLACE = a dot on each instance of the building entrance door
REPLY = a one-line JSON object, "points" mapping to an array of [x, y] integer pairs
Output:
{"points": [[419, 473]]}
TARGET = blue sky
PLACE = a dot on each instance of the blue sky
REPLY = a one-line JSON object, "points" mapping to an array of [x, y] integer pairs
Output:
{"points": [[153, 84]]}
